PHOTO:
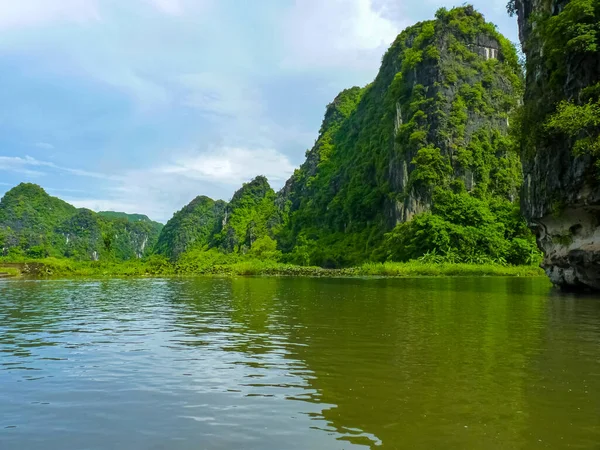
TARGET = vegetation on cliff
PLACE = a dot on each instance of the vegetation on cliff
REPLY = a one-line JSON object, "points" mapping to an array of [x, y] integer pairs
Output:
{"points": [[417, 163], [251, 217], [36, 225], [558, 131], [194, 226], [562, 106], [248, 223], [434, 123]]}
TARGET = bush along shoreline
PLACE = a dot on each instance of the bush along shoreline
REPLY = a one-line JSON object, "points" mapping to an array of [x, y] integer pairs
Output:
{"points": [[157, 266]]}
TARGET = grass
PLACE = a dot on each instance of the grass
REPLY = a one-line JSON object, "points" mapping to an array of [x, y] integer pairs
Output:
{"points": [[64, 268], [416, 268], [7, 272]]}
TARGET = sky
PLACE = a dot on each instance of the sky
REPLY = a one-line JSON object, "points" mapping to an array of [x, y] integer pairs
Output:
{"points": [[141, 105]]}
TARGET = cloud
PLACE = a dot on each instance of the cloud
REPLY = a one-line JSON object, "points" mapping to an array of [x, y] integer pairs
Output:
{"points": [[44, 145], [232, 166], [23, 13], [337, 33], [180, 7], [157, 191], [221, 95], [77, 191], [23, 164], [172, 7], [146, 93]]}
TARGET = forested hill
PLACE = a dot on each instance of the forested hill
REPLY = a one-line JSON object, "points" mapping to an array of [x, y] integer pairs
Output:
{"points": [[34, 224], [126, 216], [232, 227], [419, 162]]}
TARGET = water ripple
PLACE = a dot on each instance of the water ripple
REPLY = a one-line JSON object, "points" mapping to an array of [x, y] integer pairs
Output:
{"points": [[295, 364]]}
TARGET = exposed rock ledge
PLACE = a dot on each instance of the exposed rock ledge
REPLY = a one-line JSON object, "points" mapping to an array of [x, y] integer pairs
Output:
{"points": [[571, 242]]}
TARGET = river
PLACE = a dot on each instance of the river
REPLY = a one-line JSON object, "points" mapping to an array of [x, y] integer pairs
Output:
{"points": [[298, 363]]}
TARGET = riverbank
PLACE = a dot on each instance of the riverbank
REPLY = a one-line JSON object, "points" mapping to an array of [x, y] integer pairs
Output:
{"points": [[61, 268]]}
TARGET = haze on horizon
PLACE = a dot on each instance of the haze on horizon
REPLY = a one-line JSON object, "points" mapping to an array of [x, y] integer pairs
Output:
{"points": [[140, 106]]}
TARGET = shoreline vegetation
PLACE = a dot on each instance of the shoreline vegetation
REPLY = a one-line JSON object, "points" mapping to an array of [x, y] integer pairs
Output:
{"points": [[157, 267]]}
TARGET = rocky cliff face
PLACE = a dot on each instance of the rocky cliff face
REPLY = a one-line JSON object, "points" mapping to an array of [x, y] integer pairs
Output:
{"points": [[561, 190], [466, 96], [436, 116]]}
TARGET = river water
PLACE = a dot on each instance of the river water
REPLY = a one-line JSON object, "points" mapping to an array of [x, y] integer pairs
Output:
{"points": [[298, 363]]}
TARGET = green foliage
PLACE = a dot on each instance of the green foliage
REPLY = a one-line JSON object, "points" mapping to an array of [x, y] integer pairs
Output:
{"points": [[462, 228], [580, 122], [202, 260], [194, 226], [435, 117], [564, 50], [445, 268], [247, 224], [251, 215], [265, 248], [432, 168], [35, 224], [232, 265]]}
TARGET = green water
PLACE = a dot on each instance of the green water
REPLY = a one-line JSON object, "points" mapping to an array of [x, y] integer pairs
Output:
{"points": [[269, 363]]}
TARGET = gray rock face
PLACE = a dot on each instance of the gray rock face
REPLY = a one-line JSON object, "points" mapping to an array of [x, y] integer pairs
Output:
{"points": [[561, 191], [443, 94]]}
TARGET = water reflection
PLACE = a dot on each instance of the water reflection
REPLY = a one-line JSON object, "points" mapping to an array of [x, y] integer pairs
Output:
{"points": [[298, 363]]}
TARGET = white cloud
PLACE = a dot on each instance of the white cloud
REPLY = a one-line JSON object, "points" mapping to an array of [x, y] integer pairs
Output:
{"points": [[180, 7], [22, 13], [232, 166], [159, 191], [24, 164], [44, 145], [146, 93], [337, 33], [172, 7], [221, 95], [78, 191]]}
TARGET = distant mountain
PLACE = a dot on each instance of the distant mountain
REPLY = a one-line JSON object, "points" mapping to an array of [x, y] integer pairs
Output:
{"points": [[231, 227], [122, 215], [195, 225], [251, 214], [133, 218], [35, 224]]}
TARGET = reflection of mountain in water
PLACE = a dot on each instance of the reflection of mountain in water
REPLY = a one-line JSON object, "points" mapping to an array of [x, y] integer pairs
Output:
{"points": [[405, 363], [393, 359]]}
